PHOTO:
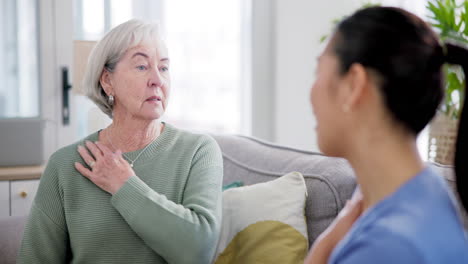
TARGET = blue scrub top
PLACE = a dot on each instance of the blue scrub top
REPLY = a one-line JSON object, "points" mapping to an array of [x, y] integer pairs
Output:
{"points": [[419, 223]]}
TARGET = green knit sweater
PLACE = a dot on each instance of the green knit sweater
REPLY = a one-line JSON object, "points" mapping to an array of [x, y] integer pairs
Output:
{"points": [[169, 213]]}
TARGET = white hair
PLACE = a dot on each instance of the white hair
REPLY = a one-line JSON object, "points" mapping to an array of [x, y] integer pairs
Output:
{"points": [[109, 51]]}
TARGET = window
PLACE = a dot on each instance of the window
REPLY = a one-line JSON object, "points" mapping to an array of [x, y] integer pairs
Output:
{"points": [[208, 56], [19, 91], [209, 80]]}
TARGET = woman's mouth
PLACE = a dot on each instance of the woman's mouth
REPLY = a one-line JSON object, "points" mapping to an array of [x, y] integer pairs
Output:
{"points": [[154, 99]]}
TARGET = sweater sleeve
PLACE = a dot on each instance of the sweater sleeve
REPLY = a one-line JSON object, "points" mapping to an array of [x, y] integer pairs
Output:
{"points": [[180, 233], [45, 238]]}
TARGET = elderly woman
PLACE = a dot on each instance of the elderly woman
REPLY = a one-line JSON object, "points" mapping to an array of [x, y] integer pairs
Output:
{"points": [[138, 191]]}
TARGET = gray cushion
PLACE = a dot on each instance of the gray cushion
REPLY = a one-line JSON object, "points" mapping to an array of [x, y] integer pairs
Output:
{"points": [[330, 181], [11, 232]]}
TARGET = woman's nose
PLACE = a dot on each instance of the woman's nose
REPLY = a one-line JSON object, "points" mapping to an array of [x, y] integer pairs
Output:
{"points": [[155, 78]]}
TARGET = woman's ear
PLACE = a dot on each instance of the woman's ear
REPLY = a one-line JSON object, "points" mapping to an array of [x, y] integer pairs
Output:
{"points": [[357, 86], [106, 82]]}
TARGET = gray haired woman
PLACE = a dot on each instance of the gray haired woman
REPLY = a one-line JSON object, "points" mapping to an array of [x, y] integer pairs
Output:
{"points": [[138, 191]]}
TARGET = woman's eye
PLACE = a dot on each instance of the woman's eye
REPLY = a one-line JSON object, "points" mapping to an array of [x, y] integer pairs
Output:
{"points": [[164, 69], [141, 67]]}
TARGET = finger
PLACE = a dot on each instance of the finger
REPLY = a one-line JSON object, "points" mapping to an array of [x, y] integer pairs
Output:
{"points": [[83, 170], [119, 155], [97, 153], [116, 157], [355, 209], [119, 158], [104, 149], [357, 195], [351, 208], [88, 159], [356, 200]]}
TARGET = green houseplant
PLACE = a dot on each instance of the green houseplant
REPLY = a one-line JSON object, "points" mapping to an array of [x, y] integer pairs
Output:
{"points": [[450, 20]]}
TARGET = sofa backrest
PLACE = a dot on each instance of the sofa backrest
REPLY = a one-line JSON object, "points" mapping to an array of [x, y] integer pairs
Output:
{"points": [[330, 181]]}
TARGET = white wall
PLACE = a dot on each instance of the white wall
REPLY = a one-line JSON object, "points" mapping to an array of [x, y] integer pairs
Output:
{"points": [[299, 26], [263, 58], [286, 51]]}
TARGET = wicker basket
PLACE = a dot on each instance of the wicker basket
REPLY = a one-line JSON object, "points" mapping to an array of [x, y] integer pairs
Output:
{"points": [[442, 137]]}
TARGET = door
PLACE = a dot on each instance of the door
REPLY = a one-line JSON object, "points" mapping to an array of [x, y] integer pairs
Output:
{"points": [[56, 24]]}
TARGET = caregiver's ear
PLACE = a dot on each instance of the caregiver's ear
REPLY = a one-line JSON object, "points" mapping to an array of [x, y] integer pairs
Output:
{"points": [[357, 83]]}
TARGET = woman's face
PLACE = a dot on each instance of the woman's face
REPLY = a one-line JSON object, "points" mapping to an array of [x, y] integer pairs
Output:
{"points": [[141, 82], [323, 97]]}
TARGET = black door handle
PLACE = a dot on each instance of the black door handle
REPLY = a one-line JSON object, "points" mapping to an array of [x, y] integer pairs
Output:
{"points": [[65, 98]]}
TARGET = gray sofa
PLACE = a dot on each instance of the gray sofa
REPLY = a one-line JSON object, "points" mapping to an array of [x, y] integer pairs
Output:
{"points": [[330, 182]]}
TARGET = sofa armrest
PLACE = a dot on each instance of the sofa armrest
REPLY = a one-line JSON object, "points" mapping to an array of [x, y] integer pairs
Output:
{"points": [[11, 233]]}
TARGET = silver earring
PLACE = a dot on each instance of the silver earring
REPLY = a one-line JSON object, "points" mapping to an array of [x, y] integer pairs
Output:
{"points": [[111, 100]]}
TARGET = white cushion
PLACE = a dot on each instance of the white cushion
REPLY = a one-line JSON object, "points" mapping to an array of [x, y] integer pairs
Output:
{"points": [[264, 223]]}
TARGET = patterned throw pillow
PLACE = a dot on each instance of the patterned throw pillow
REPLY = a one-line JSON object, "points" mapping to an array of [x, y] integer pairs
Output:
{"points": [[264, 223]]}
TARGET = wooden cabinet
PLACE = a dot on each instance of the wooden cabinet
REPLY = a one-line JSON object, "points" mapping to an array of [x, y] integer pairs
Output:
{"points": [[22, 194], [18, 187]]}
